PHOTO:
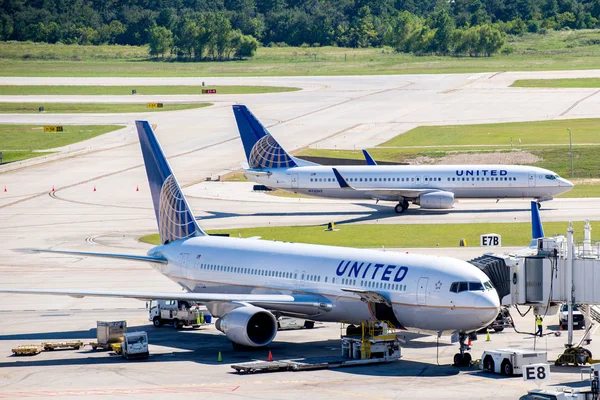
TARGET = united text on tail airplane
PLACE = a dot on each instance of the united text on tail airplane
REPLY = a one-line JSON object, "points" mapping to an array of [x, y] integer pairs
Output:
{"points": [[247, 283], [429, 186]]}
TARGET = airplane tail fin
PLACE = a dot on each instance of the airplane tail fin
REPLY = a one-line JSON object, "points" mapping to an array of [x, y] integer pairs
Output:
{"points": [[173, 214], [368, 158], [262, 150], [537, 230]]}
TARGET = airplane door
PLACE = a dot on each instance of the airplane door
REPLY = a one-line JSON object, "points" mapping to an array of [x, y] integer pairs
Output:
{"points": [[532, 179], [294, 181], [422, 291], [183, 270]]}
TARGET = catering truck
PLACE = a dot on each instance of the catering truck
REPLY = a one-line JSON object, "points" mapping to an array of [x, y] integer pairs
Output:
{"points": [[175, 313]]}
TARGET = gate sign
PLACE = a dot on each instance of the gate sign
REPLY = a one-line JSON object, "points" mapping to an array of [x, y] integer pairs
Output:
{"points": [[209, 91], [536, 372], [490, 239], [154, 105], [53, 128]]}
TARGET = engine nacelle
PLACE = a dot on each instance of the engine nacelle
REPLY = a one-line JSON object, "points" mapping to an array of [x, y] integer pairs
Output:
{"points": [[249, 326], [436, 200]]}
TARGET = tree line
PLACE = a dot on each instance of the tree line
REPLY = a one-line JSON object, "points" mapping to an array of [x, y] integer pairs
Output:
{"points": [[222, 29]]}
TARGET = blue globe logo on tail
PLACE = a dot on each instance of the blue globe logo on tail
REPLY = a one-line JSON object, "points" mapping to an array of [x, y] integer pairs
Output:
{"points": [[267, 153], [175, 220]]}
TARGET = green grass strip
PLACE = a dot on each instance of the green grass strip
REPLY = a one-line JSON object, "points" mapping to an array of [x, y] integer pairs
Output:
{"points": [[558, 83], [77, 108], [521, 133], [397, 236], [141, 90]]}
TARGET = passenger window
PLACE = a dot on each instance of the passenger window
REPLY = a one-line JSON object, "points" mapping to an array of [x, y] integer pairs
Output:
{"points": [[463, 287]]}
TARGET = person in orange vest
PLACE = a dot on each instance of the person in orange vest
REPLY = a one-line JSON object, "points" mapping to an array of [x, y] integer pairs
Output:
{"points": [[539, 321]]}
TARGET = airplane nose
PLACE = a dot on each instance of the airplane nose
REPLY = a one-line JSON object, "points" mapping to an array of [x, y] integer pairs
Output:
{"points": [[487, 307]]}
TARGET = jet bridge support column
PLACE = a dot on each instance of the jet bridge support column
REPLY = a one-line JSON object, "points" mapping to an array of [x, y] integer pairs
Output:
{"points": [[569, 282]]}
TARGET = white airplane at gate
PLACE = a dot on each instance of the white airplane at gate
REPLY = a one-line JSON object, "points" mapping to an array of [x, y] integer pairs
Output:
{"points": [[429, 186], [247, 283]]}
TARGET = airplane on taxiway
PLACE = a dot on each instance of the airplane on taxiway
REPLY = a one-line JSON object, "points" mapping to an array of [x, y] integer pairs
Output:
{"points": [[247, 283], [429, 186]]}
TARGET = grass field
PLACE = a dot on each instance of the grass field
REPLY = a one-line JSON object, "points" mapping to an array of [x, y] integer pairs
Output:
{"points": [[396, 236], [18, 142], [564, 50], [558, 83], [529, 133], [75, 108], [141, 90], [583, 188]]}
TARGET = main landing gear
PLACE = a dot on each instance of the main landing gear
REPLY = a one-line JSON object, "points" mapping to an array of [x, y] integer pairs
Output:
{"points": [[402, 206], [463, 359]]}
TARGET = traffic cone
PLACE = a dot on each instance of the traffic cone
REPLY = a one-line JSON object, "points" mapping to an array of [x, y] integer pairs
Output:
{"points": [[53, 188], [94, 188], [219, 358], [270, 358], [137, 188], [469, 342], [5, 188], [488, 338]]}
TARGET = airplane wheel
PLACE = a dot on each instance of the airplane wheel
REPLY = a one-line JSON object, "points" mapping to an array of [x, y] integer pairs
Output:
{"points": [[399, 208], [467, 359], [458, 360], [405, 204], [309, 324]]}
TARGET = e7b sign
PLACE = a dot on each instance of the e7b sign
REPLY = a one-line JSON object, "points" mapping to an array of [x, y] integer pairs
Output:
{"points": [[490, 240]]}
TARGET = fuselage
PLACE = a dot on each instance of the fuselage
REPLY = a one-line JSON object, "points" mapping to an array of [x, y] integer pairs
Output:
{"points": [[464, 181], [418, 286]]}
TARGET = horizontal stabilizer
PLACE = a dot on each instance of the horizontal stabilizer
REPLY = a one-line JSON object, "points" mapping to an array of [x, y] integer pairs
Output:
{"points": [[128, 257]]}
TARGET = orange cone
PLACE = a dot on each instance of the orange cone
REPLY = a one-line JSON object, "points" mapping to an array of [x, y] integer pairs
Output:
{"points": [[469, 343], [270, 358]]}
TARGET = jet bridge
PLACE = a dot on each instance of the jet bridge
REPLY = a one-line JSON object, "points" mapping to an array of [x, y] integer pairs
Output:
{"points": [[555, 270]]}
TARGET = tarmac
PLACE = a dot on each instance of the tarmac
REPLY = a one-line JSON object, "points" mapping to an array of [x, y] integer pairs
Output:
{"points": [[96, 206]]}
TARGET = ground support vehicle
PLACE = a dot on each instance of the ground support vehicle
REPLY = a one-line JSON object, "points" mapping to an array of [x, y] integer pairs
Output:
{"points": [[109, 335], [69, 344], [371, 343], [563, 317], [135, 345], [27, 350], [510, 361], [175, 313]]}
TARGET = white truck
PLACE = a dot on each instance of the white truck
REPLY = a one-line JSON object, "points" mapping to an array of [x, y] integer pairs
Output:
{"points": [[135, 345], [175, 313], [563, 317], [510, 361]]}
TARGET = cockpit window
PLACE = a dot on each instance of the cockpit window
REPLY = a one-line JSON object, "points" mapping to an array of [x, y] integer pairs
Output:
{"points": [[551, 177], [458, 287]]}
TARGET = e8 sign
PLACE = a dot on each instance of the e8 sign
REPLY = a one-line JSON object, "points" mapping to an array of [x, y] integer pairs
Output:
{"points": [[490, 239], [536, 372]]}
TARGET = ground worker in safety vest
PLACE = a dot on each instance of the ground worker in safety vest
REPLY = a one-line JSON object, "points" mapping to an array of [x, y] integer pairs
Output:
{"points": [[538, 321]]}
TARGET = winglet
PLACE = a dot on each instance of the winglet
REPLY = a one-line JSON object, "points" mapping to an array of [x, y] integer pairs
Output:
{"points": [[368, 158], [537, 230], [341, 181]]}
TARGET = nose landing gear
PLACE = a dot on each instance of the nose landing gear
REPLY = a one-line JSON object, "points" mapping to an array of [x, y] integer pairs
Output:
{"points": [[463, 359], [402, 206]]}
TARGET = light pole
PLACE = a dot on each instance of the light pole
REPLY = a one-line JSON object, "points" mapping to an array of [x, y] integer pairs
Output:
{"points": [[571, 150]]}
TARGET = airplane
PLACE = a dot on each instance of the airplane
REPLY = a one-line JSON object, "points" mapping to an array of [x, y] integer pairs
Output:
{"points": [[429, 186], [247, 283]]}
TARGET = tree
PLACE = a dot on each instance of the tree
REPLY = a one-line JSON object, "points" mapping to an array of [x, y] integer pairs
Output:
{"points": [[186, 36], [161, 40], [362, 32], [442, 38], [247, 47]]}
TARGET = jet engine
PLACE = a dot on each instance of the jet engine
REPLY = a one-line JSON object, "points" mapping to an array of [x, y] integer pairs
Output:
{"points": [[436, 200], [248, 326]]}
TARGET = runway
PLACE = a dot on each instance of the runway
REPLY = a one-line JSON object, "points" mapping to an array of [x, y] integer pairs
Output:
{"points": [[330, 112]]}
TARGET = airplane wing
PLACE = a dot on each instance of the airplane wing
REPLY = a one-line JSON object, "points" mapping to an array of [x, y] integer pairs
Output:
{"points": [[129, 257], [382, 193], [199, 297]]}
